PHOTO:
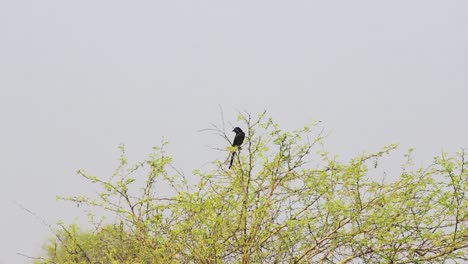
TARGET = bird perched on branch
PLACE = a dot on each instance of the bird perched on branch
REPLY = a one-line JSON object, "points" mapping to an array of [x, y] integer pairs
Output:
{"points": [[238, 140]]}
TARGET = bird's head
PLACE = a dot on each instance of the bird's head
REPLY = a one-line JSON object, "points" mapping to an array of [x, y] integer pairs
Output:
{"points": [[237, 130]]}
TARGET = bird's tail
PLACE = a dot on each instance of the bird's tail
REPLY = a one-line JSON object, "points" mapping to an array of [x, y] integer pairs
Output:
{"points": [[232, 159]]}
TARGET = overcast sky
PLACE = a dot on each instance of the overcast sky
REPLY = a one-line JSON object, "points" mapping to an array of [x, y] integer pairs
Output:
{"points": [[77, 78]]}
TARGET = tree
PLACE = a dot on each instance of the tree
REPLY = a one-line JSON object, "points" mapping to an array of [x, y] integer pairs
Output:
{"points": [[285, 200]]}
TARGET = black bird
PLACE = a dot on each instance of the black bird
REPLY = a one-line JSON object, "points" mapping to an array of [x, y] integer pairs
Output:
{"points": [[238, 140]]}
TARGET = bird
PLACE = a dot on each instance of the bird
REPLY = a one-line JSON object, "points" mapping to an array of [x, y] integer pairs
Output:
{"points": [[238, 140]]}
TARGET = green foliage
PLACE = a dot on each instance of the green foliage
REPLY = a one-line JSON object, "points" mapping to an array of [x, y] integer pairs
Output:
{"points": [[285, 200]]}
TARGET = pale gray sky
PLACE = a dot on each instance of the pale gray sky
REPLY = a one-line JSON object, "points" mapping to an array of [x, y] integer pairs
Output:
{"points": [[79, 77]]}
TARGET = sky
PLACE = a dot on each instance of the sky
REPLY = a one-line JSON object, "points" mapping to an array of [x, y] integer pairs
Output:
{"points": [[78, 78]]}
